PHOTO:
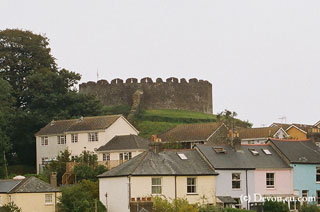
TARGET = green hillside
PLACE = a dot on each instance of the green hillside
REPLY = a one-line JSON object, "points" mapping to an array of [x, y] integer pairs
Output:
{"points": [[152, 122]]}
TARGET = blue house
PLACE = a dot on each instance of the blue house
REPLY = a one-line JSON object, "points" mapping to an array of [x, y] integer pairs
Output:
{"points": [[304, 157]]}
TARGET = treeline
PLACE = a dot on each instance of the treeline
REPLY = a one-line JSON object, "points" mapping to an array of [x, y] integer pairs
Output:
{"points": [[34, 91]]}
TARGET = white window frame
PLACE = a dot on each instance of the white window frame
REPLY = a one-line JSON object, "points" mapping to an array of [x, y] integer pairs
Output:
{"points": [[106, 157], [318, 197], [236, 180], [156, 187], [61, 139], [192, 185], [74, 138], [271, 180], [48, 199], [44, 140], [318, 174], [124, 156], [93, 136]]}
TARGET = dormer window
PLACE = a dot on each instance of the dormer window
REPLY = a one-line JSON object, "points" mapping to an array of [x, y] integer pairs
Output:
{"points": [[219, 150], [254, 152]]}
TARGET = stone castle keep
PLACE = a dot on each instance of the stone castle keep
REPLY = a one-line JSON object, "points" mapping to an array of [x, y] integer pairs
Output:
{"points": [[195, 95]]}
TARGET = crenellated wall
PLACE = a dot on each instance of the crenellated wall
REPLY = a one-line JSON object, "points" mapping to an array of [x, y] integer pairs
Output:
{"points": [[192, 95]]}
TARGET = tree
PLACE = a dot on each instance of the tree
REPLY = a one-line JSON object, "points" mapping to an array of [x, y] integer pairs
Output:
{"points": [[81, 197], [87, 167], [23, 53], [6, 102], [59, 165], [42, 91]]}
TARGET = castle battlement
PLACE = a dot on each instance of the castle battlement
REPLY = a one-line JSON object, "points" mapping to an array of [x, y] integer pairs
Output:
{"points": [[146, 80], [173, 93]]}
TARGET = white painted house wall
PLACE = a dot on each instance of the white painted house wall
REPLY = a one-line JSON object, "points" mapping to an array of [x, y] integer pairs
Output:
{"points": [[117, 190], [50, 151], [115, 154], [119, 127]]}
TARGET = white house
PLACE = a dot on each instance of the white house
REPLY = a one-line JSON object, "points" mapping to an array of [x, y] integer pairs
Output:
{"points": [[168, 174], [120, 149], [77, 135]]}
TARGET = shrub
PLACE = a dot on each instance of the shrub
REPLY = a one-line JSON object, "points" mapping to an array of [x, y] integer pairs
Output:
{"points": [[10, 207], [209, 208], [272, 206], [309, 208], [80, 197], [176, 205], [235, 210]]}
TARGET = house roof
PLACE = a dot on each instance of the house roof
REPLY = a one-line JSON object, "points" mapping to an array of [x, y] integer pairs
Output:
{"points": [[243, 158], [298, 151], [74, 125], [7, 185], [284, 126], [123, 142], [190, 132], [227, 199], [165, 163], [27, 185], [303, 127], [261, 132]]}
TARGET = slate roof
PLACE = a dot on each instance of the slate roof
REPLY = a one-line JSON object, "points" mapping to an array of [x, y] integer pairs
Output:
{"points": [[298, 151], [7, 185], [124, 142], [73, 125], [261, 132], [165, 163], [190, 132], [243, 159], [28, 185]]}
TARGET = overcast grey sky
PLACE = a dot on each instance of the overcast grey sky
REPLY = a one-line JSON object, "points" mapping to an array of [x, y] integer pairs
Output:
{"points": [[262, 57]]}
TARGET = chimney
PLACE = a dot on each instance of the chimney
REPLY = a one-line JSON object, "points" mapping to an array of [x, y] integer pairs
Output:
{"points": [[52, 122], [236, 143], [53, 179], [156, 147]]}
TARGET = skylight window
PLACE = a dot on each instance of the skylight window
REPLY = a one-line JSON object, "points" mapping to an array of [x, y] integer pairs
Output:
{"points": [[182, 156], [266, 151], [219, 150], [254, 152]]}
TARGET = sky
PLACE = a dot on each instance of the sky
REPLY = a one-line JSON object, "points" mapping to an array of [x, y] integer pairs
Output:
{"points": [[261, 56]]}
